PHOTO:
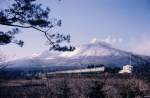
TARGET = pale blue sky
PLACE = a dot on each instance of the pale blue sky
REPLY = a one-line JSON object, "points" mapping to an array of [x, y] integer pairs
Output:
{"points": [[125, 21]]}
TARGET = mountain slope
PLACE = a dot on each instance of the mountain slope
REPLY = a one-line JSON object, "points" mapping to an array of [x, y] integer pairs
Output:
{"points": [[92, 53]]}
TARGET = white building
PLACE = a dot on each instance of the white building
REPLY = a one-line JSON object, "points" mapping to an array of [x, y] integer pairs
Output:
{"points": [[127, 69], [41, 75]]}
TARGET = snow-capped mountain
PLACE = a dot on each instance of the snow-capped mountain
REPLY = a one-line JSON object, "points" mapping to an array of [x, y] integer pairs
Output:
{"points": [[96, 52], [95, 48]]}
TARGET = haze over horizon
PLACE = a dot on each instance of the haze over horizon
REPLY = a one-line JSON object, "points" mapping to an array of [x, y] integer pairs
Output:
{"points": [[123, 23]]}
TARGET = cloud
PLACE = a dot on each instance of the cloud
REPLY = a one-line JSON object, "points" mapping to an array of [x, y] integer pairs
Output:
{"points": [[141, 45], [35, 55], [110, 40], [143, 48]]}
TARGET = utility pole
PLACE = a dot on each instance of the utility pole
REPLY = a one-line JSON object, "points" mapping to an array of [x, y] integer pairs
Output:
{"points": [[130, 60]]}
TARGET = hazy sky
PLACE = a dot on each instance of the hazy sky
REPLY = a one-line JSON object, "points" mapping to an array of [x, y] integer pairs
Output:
{"points": [[122, 23]]}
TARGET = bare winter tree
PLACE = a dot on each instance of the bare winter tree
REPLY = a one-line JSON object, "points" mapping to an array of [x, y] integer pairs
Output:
{"points": [[96, 91], [29, 14], [63, 90]]}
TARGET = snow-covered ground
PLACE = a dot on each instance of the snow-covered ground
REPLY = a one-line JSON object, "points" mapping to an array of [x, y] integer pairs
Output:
{"points": [[99, 69]]}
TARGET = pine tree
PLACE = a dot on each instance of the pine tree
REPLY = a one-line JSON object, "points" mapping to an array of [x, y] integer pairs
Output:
{"points": [[29, 14]]}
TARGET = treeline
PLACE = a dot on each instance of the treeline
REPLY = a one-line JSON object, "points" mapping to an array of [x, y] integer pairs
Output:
{"points": [[94, 65], [78, 88]]}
